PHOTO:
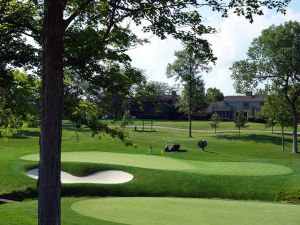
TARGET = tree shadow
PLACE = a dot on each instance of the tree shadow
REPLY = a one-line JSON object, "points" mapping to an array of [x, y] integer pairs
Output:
{"points": [[145, 131], [24, 134], [262, 138]]}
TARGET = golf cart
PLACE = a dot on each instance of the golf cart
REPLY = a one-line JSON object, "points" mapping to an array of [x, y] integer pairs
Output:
{"points": [[171, 146]]}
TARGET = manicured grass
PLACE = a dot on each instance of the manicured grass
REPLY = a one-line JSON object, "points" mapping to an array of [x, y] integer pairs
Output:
{"points": [[201, 125], [178, 211], [25, 213], [170, 164], [227, 150], [154, 211]]}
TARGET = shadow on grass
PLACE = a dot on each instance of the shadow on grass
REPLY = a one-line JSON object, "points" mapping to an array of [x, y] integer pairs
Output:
{"points": [[145, 130], [24, 134], [211, 152], [262, 138]]}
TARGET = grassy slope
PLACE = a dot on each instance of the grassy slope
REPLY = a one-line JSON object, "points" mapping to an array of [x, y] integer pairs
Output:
{"points": [[177, 211], [171, 164], [263, 148], [249, 147], [25, 213], [153, 211]]}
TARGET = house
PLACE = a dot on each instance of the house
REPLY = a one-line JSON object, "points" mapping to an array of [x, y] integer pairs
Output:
{"points": [[232, 105], [160, 107]]}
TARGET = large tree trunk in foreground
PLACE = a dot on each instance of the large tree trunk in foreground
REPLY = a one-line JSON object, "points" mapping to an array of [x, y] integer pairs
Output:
{"points": [[49, 186]]}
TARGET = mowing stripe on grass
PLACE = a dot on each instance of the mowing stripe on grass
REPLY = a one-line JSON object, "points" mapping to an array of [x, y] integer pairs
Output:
{"points": [[178, 211], [171, 164]]}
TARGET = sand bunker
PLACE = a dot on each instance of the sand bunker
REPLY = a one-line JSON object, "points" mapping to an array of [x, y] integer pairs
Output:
{"points": [[102, 177]]}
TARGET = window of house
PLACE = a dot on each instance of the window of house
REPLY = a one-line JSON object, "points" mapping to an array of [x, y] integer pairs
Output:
{"points": [[246, 105]]}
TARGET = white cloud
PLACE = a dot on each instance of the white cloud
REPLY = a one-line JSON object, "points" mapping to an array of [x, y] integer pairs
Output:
{"points": [[229, 44]]}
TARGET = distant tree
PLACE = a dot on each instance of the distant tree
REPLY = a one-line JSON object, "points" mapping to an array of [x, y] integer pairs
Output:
{"points": [[240, 121], [214, 122], [125, 120], [150, 92], [274, 58], [187, 68], [276, 110], [214, 95]]}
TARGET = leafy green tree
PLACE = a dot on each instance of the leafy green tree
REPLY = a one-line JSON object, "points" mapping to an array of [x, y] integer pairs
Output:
{"points": [[81, 20], [276, 109], [19, 105], [274, 57], [214, 95], [240, 121], [214, 121], [187, 68], [150, 92]]}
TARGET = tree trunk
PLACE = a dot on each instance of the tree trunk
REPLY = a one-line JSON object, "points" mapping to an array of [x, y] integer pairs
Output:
{"points": [[49, 186], [295, 128], [190, 126], [282, 138], [190, 107]]}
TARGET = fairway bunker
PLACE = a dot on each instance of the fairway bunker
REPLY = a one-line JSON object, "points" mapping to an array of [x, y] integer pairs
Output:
{"points": [[101, 177], [192, 211]]}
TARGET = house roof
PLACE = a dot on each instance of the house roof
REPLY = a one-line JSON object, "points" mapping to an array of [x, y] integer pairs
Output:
{"points": [[243, 98]]}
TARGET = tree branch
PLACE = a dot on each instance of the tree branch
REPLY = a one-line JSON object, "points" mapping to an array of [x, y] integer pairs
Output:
{"points": [[76, 13], [112, 21]]}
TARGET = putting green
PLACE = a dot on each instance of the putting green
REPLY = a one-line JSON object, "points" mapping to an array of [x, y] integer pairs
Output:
{"points": [[178, 211], [171, 164]]}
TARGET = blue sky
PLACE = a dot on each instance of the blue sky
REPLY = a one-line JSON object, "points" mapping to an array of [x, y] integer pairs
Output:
{"points": [[229, 44]]}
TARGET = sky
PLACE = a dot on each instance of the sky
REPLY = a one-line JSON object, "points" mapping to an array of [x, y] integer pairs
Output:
{"points": [[229, 44]]}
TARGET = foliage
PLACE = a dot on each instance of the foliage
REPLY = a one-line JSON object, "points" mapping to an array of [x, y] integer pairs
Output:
{"points": [[19, 101], [240, 121], [276, 109], [196, 91], [214, 121], [148, 95], [187, 68], [125, 120], [214, 95], [274, 57]]}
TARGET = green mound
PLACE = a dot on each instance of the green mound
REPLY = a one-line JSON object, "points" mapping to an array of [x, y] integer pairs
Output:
{"points": [[178, 211], [171, 164]]}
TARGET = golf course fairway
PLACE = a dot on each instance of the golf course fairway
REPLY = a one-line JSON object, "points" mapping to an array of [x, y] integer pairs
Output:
{"points": [[178, 211], [172, 164]]}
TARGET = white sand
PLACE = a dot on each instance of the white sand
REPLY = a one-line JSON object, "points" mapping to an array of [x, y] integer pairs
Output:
{"points": [[103, 177]]}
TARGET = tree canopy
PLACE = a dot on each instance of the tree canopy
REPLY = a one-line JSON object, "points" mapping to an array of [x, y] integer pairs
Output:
{"points": [[214, 95], [187, 68], [274, 57]]}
